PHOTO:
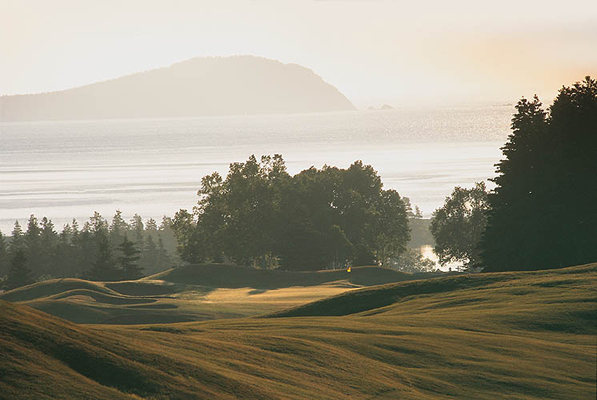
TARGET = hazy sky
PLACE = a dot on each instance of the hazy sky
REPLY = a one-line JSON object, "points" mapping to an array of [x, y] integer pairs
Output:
{"points": [[373, 51]]}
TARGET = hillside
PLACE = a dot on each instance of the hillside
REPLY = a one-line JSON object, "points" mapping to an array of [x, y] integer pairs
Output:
{"points": [[524, 335], [193, 293], [196, 87]]}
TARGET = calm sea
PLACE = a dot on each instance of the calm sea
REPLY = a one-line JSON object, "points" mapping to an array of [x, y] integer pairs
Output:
{"points": [[67, 170]]}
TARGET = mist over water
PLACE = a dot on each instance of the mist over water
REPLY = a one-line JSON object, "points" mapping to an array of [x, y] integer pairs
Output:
{"points": [[67, 170]]}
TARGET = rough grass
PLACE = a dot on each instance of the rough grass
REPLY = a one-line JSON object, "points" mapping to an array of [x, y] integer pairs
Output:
{"points": [[524, 335]]}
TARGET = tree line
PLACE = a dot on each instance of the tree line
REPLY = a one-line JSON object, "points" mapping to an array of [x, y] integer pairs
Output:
{"points": [[542, 212], [98, 250], [260, 215]]}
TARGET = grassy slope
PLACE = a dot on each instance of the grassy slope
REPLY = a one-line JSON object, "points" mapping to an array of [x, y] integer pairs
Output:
{"points": [[515, 335], [192, 293]]}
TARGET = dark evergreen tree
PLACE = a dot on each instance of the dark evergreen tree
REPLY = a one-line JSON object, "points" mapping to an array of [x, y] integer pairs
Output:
{"points": [[118, 229], [18, 274], [33, 250], [17, 241], [97, 223], [103, 268], [128, 260], [151, 226], [542, 211], [513, 229], [137, 229], [48, 245], [66, 254], [4, 258]]}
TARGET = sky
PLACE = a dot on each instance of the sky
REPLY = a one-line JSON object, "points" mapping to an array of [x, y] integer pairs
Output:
{"points": [[396, 52]]}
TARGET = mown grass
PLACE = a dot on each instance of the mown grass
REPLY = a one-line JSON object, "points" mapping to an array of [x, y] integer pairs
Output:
{"points": [[232, 276], [192, 293], [524, 335]]}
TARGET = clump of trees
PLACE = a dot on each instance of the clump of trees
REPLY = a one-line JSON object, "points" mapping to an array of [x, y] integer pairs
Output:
{"points": [[542, 212], [98, 250], [259, 215]]}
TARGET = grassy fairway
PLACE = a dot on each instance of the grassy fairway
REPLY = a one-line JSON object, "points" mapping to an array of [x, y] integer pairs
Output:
{"points": [[193, 293], [524, 335]]}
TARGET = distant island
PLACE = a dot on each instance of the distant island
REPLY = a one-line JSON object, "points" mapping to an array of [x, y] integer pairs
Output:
{"points": [[197, 87]]}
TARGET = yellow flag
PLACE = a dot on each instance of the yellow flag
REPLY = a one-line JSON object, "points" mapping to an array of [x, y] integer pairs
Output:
{"points": [[348, 269]]}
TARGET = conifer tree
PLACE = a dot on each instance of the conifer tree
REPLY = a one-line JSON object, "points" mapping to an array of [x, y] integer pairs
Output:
{"points": [[48, 245], [4, 261], [33, 248], [118, 228], [137, 229], [18, 274], [151, 226], [17, 240], [128, 259], [103, 268]]}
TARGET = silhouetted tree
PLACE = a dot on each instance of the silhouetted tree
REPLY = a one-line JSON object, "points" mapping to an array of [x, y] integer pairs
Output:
{"points": [[137, 228], [18, 274], [17, 241], [542, 211], [33, 247], [151, 226], [97, 223], [118, 228], [48, 239], [127, 260], [4, 258], [458, 225], [104, 269]]}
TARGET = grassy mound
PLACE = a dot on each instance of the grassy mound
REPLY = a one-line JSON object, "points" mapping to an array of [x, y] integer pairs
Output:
{"points": [[52, 287], [84, 301], [524, 335], [371, 298]]}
